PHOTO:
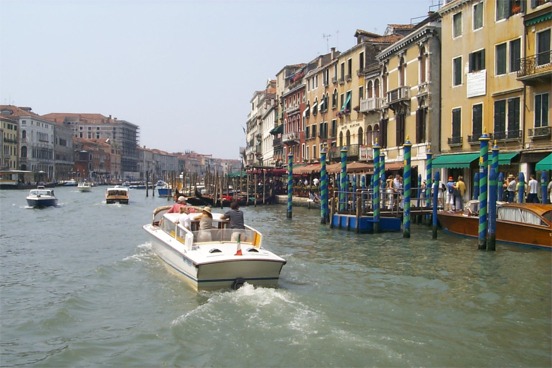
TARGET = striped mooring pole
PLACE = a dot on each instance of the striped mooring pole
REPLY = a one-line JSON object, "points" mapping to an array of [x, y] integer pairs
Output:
{"points": [[491, 235], [343, 180], [376, 187], [323, 188], [290, 185], [407, 187], [483, 164]]}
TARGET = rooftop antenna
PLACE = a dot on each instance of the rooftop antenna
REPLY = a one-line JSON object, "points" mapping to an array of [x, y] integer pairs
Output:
{"points": [[327, 37]]}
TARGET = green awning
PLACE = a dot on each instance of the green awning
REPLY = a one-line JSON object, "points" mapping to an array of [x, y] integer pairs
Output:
{"points": [[277, 130], [544, 164], [505, 158], [539, 19], [462, 160]]}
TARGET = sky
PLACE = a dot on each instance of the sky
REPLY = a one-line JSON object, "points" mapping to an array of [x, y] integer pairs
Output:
{"points": [[184, 71]]}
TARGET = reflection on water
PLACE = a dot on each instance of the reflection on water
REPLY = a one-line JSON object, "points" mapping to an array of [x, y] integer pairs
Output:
{"points": [[80, 286]]}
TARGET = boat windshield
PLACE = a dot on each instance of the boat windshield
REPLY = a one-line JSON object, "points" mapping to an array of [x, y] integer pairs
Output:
{"points": [[548, 215], [517, 214]]}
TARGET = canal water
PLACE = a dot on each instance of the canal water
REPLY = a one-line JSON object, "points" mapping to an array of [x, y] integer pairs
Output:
{"points": [[80, 287]]}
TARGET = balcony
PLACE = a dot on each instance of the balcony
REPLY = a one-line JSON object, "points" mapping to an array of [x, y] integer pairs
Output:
{"points": [[474, 139], [348, 78], [508, 136], [454, 141], [341, 80], [540, 133], [536, 69], [291, 138], [373, 104], [398, 94], [334, 80]]}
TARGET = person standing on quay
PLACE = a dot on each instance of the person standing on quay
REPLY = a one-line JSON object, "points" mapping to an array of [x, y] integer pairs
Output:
{"points": [[532, 196]]}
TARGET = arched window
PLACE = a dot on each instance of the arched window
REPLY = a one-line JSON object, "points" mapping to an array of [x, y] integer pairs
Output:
{"points": [[24, 134], [360, 136], [24, 152], [402, 70], [369, 138], [348, 138], [340, 139], [377, 88], [369, 90], [422, 60]]}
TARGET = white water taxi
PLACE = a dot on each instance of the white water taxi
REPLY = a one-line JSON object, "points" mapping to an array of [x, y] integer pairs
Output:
{"points": [[117, 194], [41, 197], [84, 186], [212, 259]]}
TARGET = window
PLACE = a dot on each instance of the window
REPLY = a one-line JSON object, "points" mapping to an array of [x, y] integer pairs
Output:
{"points": [[501, 9], [500, 57], [506, 122], [477, 120], [400, 137], [349, 68], [456, 120], [541, 110], [543, 47], [515, 55], [457, 25], [457, 71], [477, 61], [478, 16]]}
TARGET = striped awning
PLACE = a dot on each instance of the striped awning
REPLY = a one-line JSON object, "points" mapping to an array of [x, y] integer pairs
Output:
{"points": [[544, 164]]}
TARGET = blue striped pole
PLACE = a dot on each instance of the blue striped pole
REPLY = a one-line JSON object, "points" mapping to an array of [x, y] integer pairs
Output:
{"points": [[521, 188], [500, 187], [382, 178], [544, 183], [483, 162], [491, 235], [428, 176], [419, 191], [407, 187], [354, 186], [290, 185], [376, 187], [363, 189], [435, 186], [343, 179], [323, 188]]}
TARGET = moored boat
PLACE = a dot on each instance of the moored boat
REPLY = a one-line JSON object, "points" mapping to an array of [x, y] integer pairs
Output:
{"points": [[84, 186], [70, 183], [117, 194], [524, 223], [213, 259], [41, 197], [163, 189]]}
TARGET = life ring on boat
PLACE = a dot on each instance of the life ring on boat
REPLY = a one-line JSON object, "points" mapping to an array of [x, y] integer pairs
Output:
{"points": [[238, 283]]}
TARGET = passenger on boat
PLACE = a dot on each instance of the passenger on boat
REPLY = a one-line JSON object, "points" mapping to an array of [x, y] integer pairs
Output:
{"points": [[205, 224], [459, 190], [181, 202], [236, 220], [185, 218], [449, 204]]}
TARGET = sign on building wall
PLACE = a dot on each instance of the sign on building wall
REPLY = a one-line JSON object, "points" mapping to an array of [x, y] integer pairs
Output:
{"points": [[477, 83]]}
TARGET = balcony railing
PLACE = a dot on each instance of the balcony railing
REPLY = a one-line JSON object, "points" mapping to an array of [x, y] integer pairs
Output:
{"points": [[289, 137], [508, 135], [535, 64], [540, 132], [454, 141], [371, 104], [398, 94], [474, 139]]}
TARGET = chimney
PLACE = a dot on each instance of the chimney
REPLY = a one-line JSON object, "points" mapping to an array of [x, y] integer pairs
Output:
{"points": [[333, 53]]}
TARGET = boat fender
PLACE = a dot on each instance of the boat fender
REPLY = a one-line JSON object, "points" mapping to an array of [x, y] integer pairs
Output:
{"points": [[238, 283]]}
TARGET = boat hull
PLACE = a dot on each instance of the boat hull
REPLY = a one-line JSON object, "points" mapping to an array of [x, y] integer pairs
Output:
{"points": [[221, 271], [164, 192], [506, 231], [41, 202]]}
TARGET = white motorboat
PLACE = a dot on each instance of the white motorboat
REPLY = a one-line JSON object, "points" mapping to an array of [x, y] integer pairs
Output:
{"points": [[117, 194], [41, 197], [213, 259], [84, 186]]}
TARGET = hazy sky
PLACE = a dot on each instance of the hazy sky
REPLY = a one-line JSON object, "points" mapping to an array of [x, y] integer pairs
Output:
{"points": [[184, 71]]}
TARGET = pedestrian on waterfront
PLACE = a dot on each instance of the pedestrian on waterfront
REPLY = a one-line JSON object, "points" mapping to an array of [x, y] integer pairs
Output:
{"points": [[205, 224], [389, 191], [511, 188], [397, 189], [449, 203], [184, 219], [237, 224], [549, 188], [459, 190], [180, 202], [532, 196]]}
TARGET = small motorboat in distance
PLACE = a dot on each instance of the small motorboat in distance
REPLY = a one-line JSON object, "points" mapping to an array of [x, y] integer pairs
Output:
{"points": [[117, 194], [519, 223], [218, 258], [41, 197], [84, 186]]}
